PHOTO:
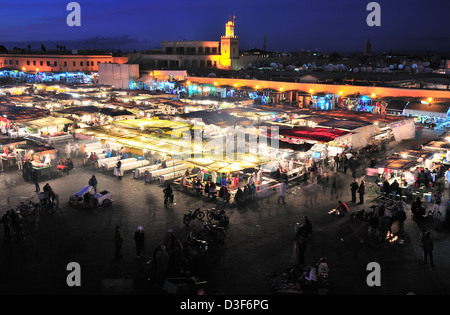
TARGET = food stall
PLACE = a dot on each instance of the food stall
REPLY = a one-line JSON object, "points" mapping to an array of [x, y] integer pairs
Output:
{"points": [[441, 151], [40, 155], [50, 129], [397, 169], [327, 141], [7, 148]]}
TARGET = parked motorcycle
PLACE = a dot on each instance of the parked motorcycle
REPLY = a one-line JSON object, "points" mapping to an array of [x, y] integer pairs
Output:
{"points": [[192, 215], [194, 244], [218, 215], [211, 232]]}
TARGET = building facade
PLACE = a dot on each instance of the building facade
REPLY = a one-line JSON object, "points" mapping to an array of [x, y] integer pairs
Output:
{"points": [[57, 62], [223, 54]]}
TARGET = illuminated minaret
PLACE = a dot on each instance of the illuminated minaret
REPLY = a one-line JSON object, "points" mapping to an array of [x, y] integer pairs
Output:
{"points": [[229, 45]]}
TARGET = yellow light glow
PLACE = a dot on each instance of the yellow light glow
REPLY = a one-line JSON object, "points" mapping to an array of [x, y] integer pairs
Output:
{"points": [[310, 91], [215, 83], [257, 86], [37, 69], [340, 92], [281, 89], [23, 68], [373, 95], [188, 82], [235, 85], [430, 99]]}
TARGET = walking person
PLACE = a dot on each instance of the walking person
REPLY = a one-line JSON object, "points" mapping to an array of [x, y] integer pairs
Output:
{"points": [[139, 239], [281, 192], [427, 246], [354, 188], [35, 177], [118, 241], [437, 207], [361, 191]]}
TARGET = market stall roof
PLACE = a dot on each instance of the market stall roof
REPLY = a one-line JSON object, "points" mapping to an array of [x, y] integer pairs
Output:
{"points": [[396, 164], [148, 124], [181, 149], [37, 148], [396, 105], [436, 145], [303, 147], [323, 135], [19, 114], [359, 116], [12, 141], [48, 122], [79, 110], [418, 108], [416, 154], [215, 118]]}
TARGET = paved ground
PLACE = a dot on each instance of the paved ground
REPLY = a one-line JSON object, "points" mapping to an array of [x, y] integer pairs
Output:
{"points": [[259, 242]]}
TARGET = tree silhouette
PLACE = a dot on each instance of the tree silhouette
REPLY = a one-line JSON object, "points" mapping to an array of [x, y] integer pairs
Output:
{"points": [[43, 47], [29, 48]]}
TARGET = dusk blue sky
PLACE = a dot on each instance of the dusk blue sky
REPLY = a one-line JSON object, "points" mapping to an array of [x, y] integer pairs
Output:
{"points": [[290, 25]]}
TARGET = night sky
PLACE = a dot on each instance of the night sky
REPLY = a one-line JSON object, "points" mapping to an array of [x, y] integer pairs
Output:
{"points": [[290, 25]]}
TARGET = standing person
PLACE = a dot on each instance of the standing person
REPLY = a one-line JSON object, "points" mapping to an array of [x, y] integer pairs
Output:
{"points": [[6, 218], [361, 191], [437, 205], [354, 188], [162, 264], [298, 255], [386, 187], [427, 245], [394, 189], [1, 164], [307, 226], [118, 241], [139, 239], [93, 183], [68, 149], [333, 188], [19, 160], [281, 192], [35, 177], [119, 170], [200, 176], [214, 177]]}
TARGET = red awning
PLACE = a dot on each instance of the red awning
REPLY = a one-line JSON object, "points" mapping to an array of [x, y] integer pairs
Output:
{"points": [[312, 134]]}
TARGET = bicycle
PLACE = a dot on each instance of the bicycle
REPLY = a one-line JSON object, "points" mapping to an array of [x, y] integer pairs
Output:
{"points": [[168, 200]]}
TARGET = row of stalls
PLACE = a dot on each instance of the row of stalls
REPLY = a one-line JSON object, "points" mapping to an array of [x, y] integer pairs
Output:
{"points": [[408, 168], [50, 77], [178, 143], [430, 113]]}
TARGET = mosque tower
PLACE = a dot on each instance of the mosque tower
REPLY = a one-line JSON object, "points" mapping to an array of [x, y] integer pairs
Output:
{"points": [[229, 45]]}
